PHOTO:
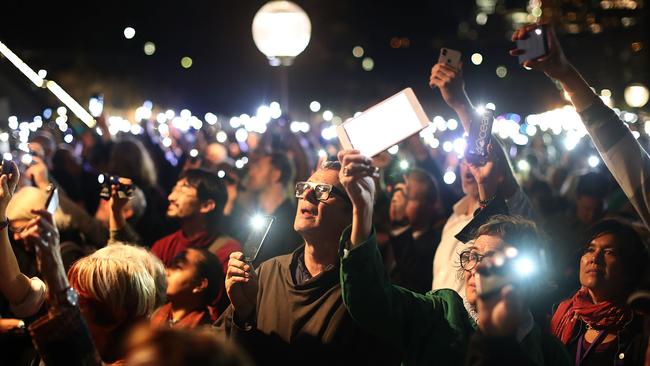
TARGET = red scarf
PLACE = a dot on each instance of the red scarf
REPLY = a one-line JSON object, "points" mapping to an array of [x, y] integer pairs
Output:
{"points": [[191, 320], [604, 315]]}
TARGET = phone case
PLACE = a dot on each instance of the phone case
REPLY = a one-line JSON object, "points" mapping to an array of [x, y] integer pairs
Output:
{"points": [[449, 57], [535, 46]]}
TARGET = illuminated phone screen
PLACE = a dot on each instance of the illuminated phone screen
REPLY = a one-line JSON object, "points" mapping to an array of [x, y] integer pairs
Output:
{"points": [[260, 226]]}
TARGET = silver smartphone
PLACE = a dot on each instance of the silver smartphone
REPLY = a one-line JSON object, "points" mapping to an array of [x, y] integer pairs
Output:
{"points": [[450, 57]]}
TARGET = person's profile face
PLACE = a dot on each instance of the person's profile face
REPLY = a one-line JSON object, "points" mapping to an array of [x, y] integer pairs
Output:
{"points": [[183, 201]]}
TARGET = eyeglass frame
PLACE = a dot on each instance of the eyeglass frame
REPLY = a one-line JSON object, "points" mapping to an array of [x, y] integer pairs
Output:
{"points": [[479, 258], [331, 189]]}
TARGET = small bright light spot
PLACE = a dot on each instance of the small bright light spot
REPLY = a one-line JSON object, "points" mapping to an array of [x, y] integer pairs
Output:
{"points": [[368, 64], [222, 137], [257, 222], [449, 177], [527, 68], [404, 164], [167, 142], [524, 266], [491, 106], [221, 174], [593, 161], [531, 130], [276, 111], [26, 159], [4, 137], [459, 145], [322, 153], [480, 109], [393, 149], [149, 48], [511, 252], [239, 164], [523, 165], [357, 114], [358, 51], [606, 93], [477, 58], [42, 73], [136, 129], [241, 135], [447, 146], [47, 113], [186, 114], [170, 114], [186, 62], [636, 134], [329, 132], [314, 106], [435, 143], [481, 18], [210, 118], [62, 111], [13, 122], [7, 156], [194, 153], [328, 115], [538, 31], [452, 124], [63, 127], [68, 138], [502, 71], [129, 32]]}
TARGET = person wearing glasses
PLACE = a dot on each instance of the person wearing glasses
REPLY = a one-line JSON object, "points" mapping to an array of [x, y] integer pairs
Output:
{"points": [[435, 328], [289, 311]]}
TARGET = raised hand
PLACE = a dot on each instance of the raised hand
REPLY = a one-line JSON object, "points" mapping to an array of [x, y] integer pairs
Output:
{"points": [[8, 185], [451, 84], [554, 64]]}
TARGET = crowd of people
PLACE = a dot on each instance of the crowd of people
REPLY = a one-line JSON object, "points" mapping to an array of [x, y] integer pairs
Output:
{"points": [[361, 266]]}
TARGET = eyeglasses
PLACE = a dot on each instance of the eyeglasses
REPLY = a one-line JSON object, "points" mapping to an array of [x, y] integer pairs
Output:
{"points": [[470, 258], [322, 191]]}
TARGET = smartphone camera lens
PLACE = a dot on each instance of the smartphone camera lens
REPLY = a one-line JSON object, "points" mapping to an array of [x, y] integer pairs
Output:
{"points": [[444, 52]]}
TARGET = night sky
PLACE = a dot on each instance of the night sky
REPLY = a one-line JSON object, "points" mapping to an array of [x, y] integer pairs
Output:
{"points": [[84, 49]]}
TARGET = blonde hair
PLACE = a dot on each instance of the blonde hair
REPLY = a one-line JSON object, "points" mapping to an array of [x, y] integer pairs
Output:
{"points": [[152, 263], [116, 289]]}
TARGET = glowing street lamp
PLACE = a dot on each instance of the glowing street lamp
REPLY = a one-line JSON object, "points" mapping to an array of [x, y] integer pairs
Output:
{"points": [[281, 31]]}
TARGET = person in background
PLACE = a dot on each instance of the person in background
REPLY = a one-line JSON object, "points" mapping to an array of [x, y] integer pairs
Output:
{"points": [[194, 281], [452, 87], [269, 178], [414, 245]]}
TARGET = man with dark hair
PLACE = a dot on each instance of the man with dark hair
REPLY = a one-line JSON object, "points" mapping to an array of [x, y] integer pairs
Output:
{"points": [[197, 201], [269, 178], [414, 243]]}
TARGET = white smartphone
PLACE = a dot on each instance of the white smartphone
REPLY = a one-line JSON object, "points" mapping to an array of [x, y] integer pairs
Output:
{"points": [[449, 57], [384, 125]]}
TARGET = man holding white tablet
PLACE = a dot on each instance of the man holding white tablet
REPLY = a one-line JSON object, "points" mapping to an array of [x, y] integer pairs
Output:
{"points": [[445, 263]]}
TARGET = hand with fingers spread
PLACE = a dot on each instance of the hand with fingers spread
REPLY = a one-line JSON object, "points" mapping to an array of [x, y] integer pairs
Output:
{"points": [[241, 286], [356, 176], [554, 64], [451, 84]]}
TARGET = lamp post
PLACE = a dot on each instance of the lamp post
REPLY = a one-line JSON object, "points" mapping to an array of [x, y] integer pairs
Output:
{"points": [[281, 31]]}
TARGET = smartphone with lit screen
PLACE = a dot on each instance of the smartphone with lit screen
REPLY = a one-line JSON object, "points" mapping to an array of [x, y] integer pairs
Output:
{"points": [[52, 201], [260, 226]]}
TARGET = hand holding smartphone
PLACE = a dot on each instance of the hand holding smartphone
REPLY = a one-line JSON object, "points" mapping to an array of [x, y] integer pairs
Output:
{"points": [[52, 201], [534, 46], [260, 226]]}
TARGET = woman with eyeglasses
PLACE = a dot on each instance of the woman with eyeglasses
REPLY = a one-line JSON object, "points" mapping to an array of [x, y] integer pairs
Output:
{"points": [[435, 328], [595, 324]]}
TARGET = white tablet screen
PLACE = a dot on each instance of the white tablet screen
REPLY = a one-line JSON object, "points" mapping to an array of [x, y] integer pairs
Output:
{"points": [[383, 126]]}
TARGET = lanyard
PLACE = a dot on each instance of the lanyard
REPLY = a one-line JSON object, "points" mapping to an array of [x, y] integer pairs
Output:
{"points": [[581, 357]]}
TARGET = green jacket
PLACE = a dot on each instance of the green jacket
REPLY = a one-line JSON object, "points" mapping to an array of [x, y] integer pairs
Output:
{"points": [[428, 329]]}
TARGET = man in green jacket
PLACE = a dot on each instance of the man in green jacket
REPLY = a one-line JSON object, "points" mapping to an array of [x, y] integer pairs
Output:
{"points": [[434, 328]]}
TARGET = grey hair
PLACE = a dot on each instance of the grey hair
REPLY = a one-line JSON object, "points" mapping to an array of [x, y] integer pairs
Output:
{"points": [[331, 165]]}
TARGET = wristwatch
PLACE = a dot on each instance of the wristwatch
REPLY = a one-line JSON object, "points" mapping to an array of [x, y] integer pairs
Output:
{"points": [[67, 297]]}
